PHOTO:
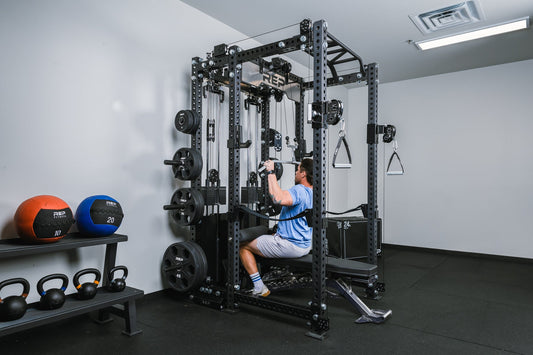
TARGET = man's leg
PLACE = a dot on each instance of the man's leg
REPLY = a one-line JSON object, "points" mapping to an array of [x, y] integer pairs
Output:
{"points": [[247, 251]]}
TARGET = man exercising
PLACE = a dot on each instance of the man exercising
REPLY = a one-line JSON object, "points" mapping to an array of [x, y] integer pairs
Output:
{"points": [[293, 237]]}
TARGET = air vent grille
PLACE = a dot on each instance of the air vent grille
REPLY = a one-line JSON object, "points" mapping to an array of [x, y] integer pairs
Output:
{"points": [[451, 16]]}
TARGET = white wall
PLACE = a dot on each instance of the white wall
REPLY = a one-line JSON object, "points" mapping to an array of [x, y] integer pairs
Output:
{"points": [[88, 95], [464, 139]]}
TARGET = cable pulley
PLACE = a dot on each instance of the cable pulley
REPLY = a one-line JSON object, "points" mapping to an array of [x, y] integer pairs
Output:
{"points": [[335, 109], [213, 177], [252, 178], [275, 139], [389, 132], [186, 164]]}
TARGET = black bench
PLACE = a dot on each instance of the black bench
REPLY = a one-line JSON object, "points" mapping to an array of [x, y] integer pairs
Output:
{"points": [[337, 271]]}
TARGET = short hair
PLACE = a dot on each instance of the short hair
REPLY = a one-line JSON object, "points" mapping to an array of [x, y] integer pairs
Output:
{"points": [[307, 166]]}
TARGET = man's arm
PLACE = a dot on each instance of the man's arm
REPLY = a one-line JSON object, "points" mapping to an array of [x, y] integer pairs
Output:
{"points": [[279, 196]]}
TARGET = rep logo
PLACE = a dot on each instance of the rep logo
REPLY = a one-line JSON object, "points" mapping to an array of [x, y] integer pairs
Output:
{"points": [[59, 214], [111, 204], [274, 79]]}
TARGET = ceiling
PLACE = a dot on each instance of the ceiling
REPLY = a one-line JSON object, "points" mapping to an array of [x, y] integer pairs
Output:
{"points": [[380, 31]]}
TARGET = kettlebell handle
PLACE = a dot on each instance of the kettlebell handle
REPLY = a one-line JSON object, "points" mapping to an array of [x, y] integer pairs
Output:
{"points": [[18, 280], [117, 268], [41, 282], [76, 278]]}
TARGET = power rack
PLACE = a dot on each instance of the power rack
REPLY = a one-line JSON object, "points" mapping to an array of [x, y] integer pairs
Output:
{"points": [[224, 67]]}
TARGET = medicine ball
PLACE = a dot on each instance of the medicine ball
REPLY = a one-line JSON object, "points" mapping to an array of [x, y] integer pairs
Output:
{"points": [[99, 215], [43, 219]]}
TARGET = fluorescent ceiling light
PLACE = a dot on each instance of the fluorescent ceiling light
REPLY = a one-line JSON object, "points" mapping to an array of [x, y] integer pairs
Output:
{"points": [[514, 25]]}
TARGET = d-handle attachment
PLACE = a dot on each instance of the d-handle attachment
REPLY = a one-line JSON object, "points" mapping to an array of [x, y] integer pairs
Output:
{"points": [[342, 140], [395, 154]]}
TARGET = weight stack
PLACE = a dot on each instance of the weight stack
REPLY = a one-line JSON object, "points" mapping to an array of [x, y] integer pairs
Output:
{"points": [[250, 194], [212, 236], [347, 237], [214, 195]]}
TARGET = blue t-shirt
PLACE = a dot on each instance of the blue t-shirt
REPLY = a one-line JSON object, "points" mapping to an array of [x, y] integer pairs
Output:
{"points": [[297, 231]]}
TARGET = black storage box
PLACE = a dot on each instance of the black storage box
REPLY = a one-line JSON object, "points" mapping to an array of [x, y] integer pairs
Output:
{"points": [[347, 237]]}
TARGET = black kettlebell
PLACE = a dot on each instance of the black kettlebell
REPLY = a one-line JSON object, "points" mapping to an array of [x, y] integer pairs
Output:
{"points": [[118, 284], [88, 289], [14, 307], [55, 297]]}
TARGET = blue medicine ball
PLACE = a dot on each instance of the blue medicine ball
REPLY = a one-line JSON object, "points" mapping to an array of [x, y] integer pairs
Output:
{"points": [[99, 215]]}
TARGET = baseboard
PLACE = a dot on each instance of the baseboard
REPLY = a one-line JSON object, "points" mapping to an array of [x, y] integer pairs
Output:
{"points": [[157, 294], [459, 253]]}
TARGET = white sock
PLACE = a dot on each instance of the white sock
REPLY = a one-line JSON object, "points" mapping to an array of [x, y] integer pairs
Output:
{"points": [[258, 283]]}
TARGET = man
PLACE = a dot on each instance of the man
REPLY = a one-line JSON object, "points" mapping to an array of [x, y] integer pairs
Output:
{"points": [[293, 237]]}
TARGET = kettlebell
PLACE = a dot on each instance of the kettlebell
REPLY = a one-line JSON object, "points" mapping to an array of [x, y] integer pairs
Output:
{"points": [[118, 284], [55, 297], [14, 307], [88, 289]]}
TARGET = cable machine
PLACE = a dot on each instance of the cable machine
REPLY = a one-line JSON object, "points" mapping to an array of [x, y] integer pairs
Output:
{"points": [[208, 266]]}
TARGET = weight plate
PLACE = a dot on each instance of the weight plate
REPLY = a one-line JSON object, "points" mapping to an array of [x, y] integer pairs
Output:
{"points": [[192, 203], [187, 121], [190, 164], [202, 262], [184, 266]]}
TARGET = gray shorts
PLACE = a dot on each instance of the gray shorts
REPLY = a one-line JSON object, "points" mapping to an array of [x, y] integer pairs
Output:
{"points": [[274, 246]]}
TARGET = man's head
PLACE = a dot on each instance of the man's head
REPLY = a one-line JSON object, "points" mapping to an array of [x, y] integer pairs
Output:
{"points": [[304, 172]]}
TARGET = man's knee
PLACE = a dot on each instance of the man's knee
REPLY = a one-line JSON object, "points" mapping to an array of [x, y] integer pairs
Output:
{"points": [[250, 247]]}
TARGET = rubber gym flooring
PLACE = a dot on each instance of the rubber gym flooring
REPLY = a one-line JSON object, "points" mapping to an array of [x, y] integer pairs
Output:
{"points": [[441, 304]]}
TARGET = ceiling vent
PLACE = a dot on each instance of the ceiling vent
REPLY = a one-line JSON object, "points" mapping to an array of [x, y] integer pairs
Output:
{"points": [[451, 16]]}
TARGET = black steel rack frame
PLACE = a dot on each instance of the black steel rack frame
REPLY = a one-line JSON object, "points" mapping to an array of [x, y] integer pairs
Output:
{"points": [[225, 67]]}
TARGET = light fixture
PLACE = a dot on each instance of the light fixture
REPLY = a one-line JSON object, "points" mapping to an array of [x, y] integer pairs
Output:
{"points": [[493, 30]]}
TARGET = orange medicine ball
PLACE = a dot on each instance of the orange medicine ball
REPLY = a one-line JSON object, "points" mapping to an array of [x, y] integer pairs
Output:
{"points": [[43, 219]]}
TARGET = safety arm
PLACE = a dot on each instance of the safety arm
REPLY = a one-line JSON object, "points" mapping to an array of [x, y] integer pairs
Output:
{"points": [[279, 196]]}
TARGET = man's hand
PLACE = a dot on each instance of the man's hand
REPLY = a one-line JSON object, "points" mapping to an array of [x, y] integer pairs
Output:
{"points": [[279, 196], [269, 165]]}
